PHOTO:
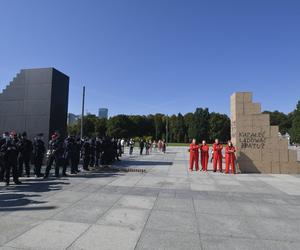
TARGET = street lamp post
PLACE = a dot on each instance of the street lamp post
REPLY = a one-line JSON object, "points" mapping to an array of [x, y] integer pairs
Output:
{"points": [[82, 112], [167, 134]]}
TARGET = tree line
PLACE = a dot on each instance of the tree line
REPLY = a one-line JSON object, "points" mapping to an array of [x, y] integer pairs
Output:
{"points": [[200, 124], [180, 128], [288, 123]]}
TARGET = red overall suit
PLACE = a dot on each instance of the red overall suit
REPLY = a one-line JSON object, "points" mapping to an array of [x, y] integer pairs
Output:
{"points": [[204, 156], [217, 156], [194, 156], [230, 159]]}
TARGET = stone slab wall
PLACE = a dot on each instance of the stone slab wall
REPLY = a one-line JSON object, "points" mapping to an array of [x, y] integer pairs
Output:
{"points": [[260, 148]]}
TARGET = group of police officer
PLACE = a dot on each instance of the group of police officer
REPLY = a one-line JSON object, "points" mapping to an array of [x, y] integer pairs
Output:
{"points": [[17, 151]]}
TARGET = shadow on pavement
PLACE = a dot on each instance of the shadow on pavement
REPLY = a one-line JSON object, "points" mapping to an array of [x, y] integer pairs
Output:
{"points": [[127, 163]]}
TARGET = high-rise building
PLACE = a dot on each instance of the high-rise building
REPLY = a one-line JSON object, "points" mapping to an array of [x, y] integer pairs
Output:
{"points": [[103, 113]]}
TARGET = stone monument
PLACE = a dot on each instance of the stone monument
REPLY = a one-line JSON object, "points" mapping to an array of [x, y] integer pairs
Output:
{"points": [[259, 147], [35, 101]]}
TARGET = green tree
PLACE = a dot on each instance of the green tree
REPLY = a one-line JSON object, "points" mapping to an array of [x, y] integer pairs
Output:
{"points": [[74, 129], [89, 123], [219, 127], [188, 121], [180, 129], [172, 123], [101, 127], [200, 127], [280, 119], [159, 126], [120, 126], [295, 129]]}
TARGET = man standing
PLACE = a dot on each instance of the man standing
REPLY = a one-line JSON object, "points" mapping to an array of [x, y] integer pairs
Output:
{"points": [[204, 148], [142, 145], [25, 151], [3, 140], [217, 147], [123, 145], [39, 150], [92, 152], [98, 151], [131, 146], [86, 154], [9, 151], [78, 146], [56, 151], [194, 155], [69, 155]]}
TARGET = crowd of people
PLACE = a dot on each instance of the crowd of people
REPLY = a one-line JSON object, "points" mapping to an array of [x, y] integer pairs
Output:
{"points": [[150, 146], [17, 153], [217, 156]]}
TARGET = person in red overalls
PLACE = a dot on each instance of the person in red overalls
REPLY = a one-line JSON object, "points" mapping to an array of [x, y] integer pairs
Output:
{"points": [[230, 158], [194, 155], [204, 148], [217, 147]]}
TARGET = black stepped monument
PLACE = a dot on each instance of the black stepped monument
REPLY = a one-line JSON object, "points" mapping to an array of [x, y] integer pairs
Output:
{"points": [[35, 101]]}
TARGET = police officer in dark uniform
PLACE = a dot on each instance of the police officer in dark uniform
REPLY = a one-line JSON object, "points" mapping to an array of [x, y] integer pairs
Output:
{"points": [[55, 151], [70, 157], [25, 151], [115, 149], [3, 140], [98, 151], [9, 151], [142, 145], [92, 152], [78, 146], [86, 154], [39, 150]]}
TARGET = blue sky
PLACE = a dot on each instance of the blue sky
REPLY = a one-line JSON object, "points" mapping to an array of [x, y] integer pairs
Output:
{"points": [[149, 56]]}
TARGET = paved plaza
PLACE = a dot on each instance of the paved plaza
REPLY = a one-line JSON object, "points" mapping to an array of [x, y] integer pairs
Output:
{"points": [[167, 207]]}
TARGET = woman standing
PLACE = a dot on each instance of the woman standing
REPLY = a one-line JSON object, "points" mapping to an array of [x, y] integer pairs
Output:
{"points": [[230, 158]]}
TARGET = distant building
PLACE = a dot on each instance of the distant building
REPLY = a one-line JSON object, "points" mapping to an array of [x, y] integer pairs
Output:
{"points": [[103, 113], [72, 119]]}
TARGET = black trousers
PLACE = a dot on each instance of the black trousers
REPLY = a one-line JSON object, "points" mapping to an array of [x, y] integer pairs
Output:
{"points": [[38, 162], [86, 162], [98, 157], [2, 170], [72, 162], [57, 162], [11, 166], [92, 160], [24, 160]]}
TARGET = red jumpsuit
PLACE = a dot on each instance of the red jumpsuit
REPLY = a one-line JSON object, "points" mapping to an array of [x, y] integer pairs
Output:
{"points": [[230, 159], [204, 156], [217, 156], [194, 156]]}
